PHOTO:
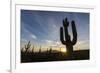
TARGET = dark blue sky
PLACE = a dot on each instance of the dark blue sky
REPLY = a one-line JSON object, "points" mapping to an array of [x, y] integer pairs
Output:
{"points": [[42, 27]]}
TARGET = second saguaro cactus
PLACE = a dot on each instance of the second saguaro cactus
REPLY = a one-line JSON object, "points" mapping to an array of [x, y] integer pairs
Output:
{"points": [[65, 38], [27, 46]]}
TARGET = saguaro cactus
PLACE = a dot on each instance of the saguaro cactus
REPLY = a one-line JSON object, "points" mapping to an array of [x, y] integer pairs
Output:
{"points": [[40, 50], [50, 50], [65, 38], [27, 46]]}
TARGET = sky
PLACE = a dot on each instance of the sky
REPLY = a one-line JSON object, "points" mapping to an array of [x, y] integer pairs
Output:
{"points": [[42, 28]]}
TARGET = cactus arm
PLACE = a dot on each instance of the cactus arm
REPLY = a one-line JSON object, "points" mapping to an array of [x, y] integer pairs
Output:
{"points": [[62, 36], [66, 24], [66, 33], [74, 31]]}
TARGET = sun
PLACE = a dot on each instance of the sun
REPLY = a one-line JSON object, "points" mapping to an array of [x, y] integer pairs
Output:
{"points": [[63, 50]]}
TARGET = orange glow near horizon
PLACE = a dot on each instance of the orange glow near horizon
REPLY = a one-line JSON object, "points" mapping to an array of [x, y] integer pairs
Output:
{"points": [[63, 50]]}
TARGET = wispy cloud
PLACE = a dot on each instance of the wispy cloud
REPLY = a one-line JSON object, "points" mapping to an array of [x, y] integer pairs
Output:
{"points": [[82, 44], [23, 40], [27, 33], [33, 36], [53, 43]]}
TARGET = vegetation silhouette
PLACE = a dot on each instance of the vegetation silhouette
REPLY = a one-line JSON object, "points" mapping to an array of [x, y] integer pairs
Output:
{"points": [[65, 38], [51, 55]]}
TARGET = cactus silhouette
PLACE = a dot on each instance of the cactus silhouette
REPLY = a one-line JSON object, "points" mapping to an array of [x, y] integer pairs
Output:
{"points": [[27, 46], [40, 49], [65, 38], [50, 50]]}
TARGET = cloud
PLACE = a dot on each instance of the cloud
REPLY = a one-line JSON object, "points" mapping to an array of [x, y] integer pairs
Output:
{"points": [[48, 41], [23, 40], [33, 36], [82, 45], [83, 42], [26, 32], [53, 43]]}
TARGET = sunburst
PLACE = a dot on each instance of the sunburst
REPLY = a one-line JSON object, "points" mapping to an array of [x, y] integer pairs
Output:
{"points": [[63, 50]]}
